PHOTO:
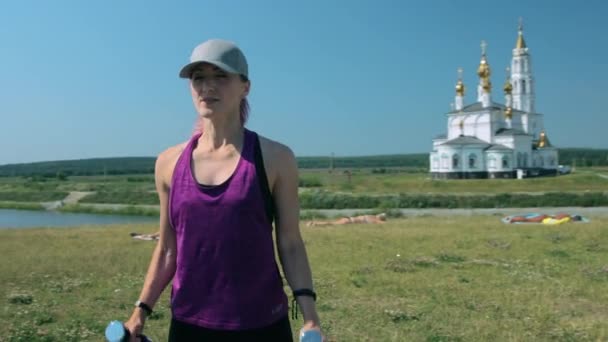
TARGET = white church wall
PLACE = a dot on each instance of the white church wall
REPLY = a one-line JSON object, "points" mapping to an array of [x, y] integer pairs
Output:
{"points": [[523, 151], [549, 158], [479, 126], [516, 122], [499, 161], [453, 128], [504, 140], [473, 160], [457, 159], [434, 161], [525, 122]]}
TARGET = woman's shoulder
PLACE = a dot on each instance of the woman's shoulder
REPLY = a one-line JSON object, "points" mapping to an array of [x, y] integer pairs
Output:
{"points": [[172, 152], [166, 160], [274, 150]]}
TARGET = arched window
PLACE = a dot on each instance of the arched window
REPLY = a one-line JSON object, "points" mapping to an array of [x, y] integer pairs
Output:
{"points": [[472, 161], [455, 161], [444, 161], [491, 162], [505, 162], [523, 86]]}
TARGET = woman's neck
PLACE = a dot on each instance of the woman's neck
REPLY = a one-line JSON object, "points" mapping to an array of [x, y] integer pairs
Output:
{"points": [[220, 134]]}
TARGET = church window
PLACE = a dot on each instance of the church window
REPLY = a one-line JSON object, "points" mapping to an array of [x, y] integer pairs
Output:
{"points": [[552, 161], [523, 86], [525, 159], [435, 163], [472, 161], [455, 161], [505, 162]]}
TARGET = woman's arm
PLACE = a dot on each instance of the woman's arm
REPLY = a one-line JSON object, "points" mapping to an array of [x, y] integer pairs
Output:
{"points": [[292, 252], [162, 266]]}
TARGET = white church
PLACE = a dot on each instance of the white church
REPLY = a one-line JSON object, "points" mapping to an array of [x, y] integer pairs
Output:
{"points": [[486, 139]]}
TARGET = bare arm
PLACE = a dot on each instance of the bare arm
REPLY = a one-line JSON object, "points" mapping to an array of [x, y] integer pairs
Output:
{"points": [[292, 252], [162, 266]]}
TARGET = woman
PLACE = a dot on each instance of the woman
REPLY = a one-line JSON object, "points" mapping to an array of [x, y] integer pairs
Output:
{"points": [[219, 193]]}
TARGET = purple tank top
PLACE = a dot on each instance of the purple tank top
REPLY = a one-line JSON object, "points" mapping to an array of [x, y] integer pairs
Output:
{"points": [[227, 276]]}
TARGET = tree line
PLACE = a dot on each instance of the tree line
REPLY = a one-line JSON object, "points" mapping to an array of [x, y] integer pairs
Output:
{"points": [[145, 165]]}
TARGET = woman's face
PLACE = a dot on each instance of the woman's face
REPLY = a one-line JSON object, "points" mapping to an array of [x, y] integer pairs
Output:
{"points": [[216, 92]]}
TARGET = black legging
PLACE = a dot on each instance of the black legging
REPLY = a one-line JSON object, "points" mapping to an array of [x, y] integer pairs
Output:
{"points": [[276, 332]]}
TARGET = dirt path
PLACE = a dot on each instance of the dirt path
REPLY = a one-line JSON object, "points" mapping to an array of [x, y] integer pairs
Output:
{"points": [[76, 196]]}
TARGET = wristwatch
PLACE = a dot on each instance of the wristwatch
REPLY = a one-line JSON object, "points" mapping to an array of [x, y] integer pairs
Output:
{"points": [[147, 309]]}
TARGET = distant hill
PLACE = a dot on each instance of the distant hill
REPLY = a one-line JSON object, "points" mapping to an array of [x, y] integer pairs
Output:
{"points": [[81, 167], [145, 165]]}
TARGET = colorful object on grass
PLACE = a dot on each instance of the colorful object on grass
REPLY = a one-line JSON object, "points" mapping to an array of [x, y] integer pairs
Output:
{"points": [[544, 218]]}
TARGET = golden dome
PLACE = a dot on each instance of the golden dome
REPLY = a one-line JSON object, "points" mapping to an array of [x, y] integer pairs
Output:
{"points": [[543, 140], [520, 43], [484, 69], [508, 113], [460, 88], [508, 88]]}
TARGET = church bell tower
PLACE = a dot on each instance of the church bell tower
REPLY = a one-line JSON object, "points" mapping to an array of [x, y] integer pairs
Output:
{"points": [[521, 75]]}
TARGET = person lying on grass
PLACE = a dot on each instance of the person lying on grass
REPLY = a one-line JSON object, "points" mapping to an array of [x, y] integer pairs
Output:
{"points": [[361, 219]]}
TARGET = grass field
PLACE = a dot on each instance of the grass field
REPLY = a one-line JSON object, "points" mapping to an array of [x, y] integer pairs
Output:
{"points": [[320, 186], [412, 279]]}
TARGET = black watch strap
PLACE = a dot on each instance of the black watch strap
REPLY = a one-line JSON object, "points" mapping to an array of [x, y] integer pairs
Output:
{"points": [[305, 292], [147, 309], [298, 293]]}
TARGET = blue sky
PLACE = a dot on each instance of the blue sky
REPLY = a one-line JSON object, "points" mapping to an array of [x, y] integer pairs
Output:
{"points": [[85, 79]]}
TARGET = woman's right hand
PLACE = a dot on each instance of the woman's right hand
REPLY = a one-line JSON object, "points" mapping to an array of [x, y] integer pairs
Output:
{"points": [[135, 324]]}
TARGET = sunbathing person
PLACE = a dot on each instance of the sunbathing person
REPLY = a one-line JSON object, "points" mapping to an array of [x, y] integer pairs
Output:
{"points": [[542, 218], [146, 237], [361, 219]]}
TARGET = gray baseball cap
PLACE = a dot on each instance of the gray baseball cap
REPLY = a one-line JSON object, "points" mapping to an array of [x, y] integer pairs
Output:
{"points": [[221, 53]]}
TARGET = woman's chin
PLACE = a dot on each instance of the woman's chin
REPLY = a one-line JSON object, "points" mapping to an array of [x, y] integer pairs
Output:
{"points": [[206, 113]]}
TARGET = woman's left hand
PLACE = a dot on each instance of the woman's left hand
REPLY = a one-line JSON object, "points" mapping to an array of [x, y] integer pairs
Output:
{"points": [[311, 325]]}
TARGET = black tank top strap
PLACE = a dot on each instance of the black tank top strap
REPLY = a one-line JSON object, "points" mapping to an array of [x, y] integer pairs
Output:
{"points": [[263, 180]]}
